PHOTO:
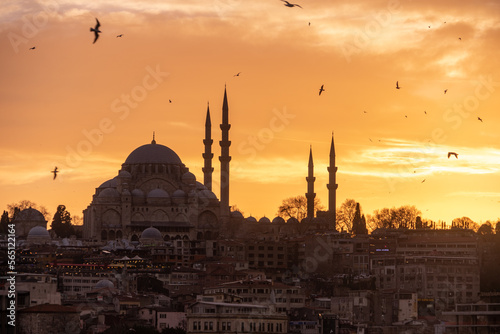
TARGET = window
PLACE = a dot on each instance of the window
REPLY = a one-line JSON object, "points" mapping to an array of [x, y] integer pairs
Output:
{"points": [[228, 326]]}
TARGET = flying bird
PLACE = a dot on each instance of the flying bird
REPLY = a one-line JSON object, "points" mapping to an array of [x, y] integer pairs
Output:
{"points": [[321, 90], [479, 119], [290, 4], [32, 48], [452, 153], [121, 35], [445, 91], [425, 112], [55, 171], [96, 30], [237, 74], [397, 85], [460, 38], [169, 101], [423, 181]]}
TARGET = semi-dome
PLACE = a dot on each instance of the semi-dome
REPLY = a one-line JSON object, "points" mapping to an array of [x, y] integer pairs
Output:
{"points": [[124, 174], [30, 214], [151, 233], [38, 232], [158, 193], [109, 192], [153, 153], [112, 183], [200, 186], [104, 283], [189, 178], [207, 194]]}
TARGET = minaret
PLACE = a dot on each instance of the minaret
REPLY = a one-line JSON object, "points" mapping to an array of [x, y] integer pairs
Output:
{"points": [[224, 160], [310, 195], [208, 155], [332, 187]]}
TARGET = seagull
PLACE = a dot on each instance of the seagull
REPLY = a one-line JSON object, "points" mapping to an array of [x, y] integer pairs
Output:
{"points": [[96, 30], [460, 38], [452, 153], [425, 112], [121, 35], [445, 91], [32, 48], [55, 171], [397, 85], [365, 112], [290, 4], [479, 119], [423, 181], [321, 90], [237, 74]]}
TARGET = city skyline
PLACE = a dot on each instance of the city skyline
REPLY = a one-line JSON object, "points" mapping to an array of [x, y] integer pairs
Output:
{"points": [[84, 107]]}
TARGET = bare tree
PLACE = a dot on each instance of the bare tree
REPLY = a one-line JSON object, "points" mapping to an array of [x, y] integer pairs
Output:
{"points": [[296, 207], [26, 204], [345, 214], [464, 223], [402, 217]]}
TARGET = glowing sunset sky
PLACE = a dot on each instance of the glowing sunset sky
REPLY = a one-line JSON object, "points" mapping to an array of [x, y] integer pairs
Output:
{"points": [[84, 107]]}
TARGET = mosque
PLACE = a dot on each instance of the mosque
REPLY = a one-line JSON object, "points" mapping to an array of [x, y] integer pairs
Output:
{"points": [[155, 198]]}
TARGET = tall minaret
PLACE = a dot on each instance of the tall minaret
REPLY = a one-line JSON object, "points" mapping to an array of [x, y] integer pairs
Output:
{"points": [[310, 195], [332, 187], [208, 155], [224, 159]]}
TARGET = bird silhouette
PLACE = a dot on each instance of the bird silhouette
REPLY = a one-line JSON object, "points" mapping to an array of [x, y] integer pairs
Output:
{"points": [[397, 85], [121, 35], [423, 181], [96, 30], [479, 119], [32, 48], [237, 74], [169, 101], [321, 90], [445, 91], [290, 4], [452, 153], [460, 38], [55, 171], [425, 112]]}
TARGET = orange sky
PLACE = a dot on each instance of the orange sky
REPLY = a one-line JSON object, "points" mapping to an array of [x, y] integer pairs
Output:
{"points": [[105, 99]]}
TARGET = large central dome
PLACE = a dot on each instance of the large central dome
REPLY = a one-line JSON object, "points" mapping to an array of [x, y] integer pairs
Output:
{"points": [[153, 153]]}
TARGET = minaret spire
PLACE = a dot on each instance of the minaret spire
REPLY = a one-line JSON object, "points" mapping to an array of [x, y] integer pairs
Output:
{"points": [[310, 195], [153, 141], [332, 187], [208, 155], [224, 158]]}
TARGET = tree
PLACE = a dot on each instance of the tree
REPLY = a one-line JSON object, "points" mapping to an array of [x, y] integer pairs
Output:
{"points": [[61, 223], [4, 222], [402, 217], [345, 214], [485, 229], [296, 207], [13, 208], [464, 223]]}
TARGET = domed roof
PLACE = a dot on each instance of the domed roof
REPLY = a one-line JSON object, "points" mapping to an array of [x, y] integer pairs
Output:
{"points": [[200, 186], [278, 220], [179, 193], [264, 220], [251, 219], [153, 153], [104, 283], [137, 193], [292, 220], [207, 194], [30, 214], [109, 192], [38, 231], [151, 233], [158, 193], [112, 183], [189, 178], [236, 214], [124, 173]]}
